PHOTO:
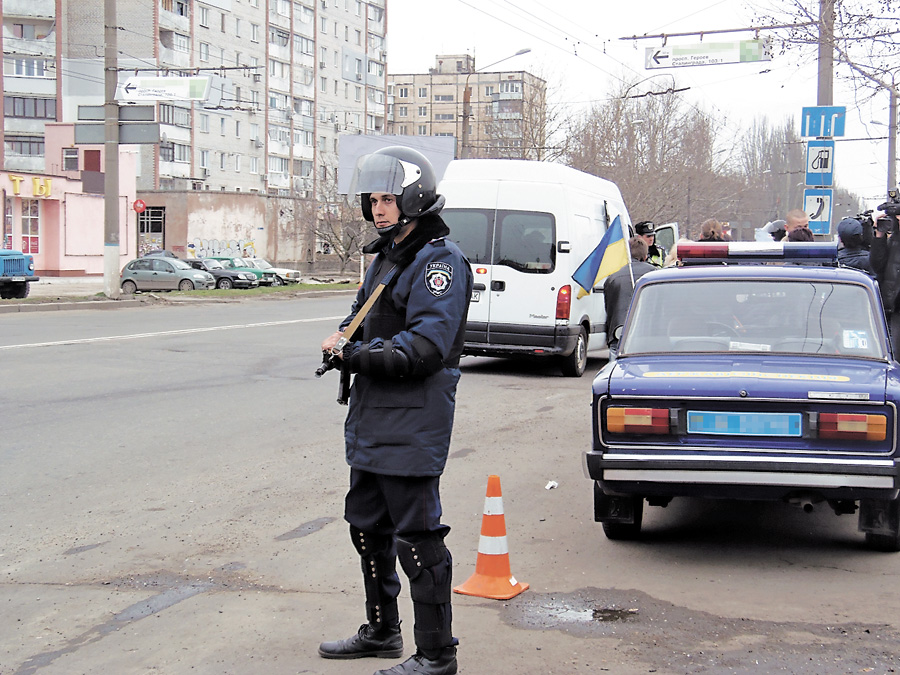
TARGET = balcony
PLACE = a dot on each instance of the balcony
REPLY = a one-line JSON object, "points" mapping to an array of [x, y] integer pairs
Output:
{"points": [[45, 47], [31, 9]]}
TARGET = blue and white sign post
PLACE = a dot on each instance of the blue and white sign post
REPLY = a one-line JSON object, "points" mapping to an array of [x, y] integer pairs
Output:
{"points": [[820, 163], [822, 122], [817, 203]]}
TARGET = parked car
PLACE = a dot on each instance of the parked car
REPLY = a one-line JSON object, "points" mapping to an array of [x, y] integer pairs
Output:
{"points": [[163, 274], [224, 278], [265, 277], [751, 381], [284, 274], [159, 252]]}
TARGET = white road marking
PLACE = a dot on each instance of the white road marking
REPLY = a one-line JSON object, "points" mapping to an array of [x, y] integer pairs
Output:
{"points": [[184, 331]]}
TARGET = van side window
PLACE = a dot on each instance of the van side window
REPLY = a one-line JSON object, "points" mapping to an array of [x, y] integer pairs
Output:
{"points": [[472, 231], [525, 241]]}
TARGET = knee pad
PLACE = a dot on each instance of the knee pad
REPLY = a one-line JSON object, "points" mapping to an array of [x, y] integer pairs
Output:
{"points": [[427, 562]]}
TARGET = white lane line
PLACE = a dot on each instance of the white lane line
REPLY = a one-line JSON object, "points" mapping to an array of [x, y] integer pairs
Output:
{"points": [[184, 331]]}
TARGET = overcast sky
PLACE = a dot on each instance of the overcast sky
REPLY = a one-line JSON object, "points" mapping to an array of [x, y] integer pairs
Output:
{"points": [[576, 46]]}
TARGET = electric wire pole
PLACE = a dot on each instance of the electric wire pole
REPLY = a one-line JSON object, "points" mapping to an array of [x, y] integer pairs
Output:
{"points": [[111, 152]]}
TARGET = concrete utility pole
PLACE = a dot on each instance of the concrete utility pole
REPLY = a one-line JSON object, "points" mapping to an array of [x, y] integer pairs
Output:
{"points": [[111, 151], [892, 140], [825, 94]]}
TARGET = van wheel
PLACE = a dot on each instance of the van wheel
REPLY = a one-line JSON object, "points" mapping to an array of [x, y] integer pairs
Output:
{"points": [[574, 364]]}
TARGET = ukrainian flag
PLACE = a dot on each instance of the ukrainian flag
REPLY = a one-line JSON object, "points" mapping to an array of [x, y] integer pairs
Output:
{"points": [[610, 255]]}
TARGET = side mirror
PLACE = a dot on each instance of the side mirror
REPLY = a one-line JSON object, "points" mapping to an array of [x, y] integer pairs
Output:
{"points": [[617, 333]]}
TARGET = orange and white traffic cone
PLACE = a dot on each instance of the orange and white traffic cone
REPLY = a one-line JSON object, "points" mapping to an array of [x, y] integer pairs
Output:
{"points": [[492, 578]]}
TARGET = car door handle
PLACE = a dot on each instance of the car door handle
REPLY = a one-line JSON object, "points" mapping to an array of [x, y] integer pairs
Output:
{"points": [[498, 285], [478, 287]]}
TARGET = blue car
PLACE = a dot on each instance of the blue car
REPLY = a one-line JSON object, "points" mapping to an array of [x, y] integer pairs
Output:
{"points": [[765, 373]]}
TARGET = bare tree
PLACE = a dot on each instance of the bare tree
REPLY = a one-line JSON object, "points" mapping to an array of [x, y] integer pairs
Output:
{"points": [[340, 228]]}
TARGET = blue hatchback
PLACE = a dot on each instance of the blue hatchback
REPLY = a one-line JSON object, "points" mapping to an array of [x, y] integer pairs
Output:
{"points": [[762, 380]]}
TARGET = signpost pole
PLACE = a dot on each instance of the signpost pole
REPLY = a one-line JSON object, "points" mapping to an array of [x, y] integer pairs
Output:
{"points": [[111, 151]]}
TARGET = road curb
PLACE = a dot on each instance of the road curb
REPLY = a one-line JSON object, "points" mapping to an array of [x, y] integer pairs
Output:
{"points": [[62, 306]]}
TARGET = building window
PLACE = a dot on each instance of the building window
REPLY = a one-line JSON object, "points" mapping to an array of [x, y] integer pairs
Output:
{"points": [[254, 165], [204, 159], [222, 26], [323, 81], [204, 123], [31, 226], [237, 128], [174, 115], [402, 111], [204, 51], [402, 92], [358, 96], [26, 67], [445, 117], [254, 32], [324, 25], [181, 43], [237, 28], [204, 17], [222, 160], [70, 159], [423, 130], [237, 163], [25, 146], [279, 37], [20, 106], [489, 90], [510, 87], [182, 152], [423, 92], [423, 111], [402, 130], [443, 97]]}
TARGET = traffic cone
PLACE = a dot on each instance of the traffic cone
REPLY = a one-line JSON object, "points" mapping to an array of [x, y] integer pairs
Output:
{"points": [[492, 578]]}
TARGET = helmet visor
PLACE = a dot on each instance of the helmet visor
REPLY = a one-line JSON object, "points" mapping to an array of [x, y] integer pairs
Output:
{"points": [[383, 173]]}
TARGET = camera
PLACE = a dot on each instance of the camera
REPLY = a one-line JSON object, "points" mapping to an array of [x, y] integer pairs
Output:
{"points": [[891, 209]]}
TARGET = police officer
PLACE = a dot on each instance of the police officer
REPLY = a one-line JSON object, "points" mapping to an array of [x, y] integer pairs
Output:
{"points": [[397, 432], [656, 255]]}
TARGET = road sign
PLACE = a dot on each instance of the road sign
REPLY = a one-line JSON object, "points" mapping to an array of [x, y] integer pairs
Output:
{"points": [[820, 163], [139, 205], [127, 113], [194, 88], [708, 54], [823, 120], [130, 133], [817, 205]]}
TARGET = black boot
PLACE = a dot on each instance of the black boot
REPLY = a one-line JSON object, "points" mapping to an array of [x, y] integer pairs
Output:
{"points": [[385, 642], [439, 662]]}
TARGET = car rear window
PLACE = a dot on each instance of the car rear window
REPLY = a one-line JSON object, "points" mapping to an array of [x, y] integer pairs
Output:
{"points": [[793, 317], [522, 240]]}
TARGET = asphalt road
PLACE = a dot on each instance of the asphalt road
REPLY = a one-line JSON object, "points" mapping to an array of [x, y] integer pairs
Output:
{"points": [[171, 486]]}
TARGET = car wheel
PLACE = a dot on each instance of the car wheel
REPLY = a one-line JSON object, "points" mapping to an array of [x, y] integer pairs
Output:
{"points": [[20, 290], [277, 281], [225, 283], [185, 285], [626, 531], [574, 364], [886, 516], [888, 543], [129, 287]]}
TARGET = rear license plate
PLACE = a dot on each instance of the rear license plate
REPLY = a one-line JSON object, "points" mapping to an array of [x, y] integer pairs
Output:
{"points": [[745, 424], [476, 296], [17, 278]]}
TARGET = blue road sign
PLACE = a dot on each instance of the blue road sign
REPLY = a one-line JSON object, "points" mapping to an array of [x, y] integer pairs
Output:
{"points": [[817, 204], [820, 163], [824, 120]]}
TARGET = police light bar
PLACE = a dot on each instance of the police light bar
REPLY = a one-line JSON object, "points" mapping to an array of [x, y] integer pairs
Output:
{"points": [[712, 252]]}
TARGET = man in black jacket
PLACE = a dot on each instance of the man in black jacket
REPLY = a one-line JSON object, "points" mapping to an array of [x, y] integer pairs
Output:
{"points": [[397, 433], [618, 290], [852, 252]]}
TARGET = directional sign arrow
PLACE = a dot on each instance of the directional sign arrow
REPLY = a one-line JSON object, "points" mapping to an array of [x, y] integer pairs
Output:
{"points": [[129, 87], [659, 56]]}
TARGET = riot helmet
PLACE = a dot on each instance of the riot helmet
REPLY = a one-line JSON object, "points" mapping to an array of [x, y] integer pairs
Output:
{"points": [[399, 171]]}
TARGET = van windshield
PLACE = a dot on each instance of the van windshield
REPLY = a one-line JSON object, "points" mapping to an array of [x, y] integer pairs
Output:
{"points": [[522, 240]]}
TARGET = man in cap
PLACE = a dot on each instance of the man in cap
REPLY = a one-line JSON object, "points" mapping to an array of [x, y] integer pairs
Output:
{"points": [[852, 252], [646, 230]]}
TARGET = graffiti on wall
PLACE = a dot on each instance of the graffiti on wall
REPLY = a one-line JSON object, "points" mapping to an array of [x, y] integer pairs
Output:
{"points": [[211, 248]]}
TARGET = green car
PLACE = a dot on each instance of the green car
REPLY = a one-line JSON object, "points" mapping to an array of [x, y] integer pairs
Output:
{"points": [[266, 277]]}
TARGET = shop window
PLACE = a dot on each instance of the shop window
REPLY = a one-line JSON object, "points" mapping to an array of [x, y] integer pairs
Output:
{"points": [[70, 159], [31, 226], [7, 224]]}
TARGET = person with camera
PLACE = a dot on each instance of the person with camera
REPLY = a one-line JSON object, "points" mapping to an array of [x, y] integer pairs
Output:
{"points": [[405, 357], [884, 258]]}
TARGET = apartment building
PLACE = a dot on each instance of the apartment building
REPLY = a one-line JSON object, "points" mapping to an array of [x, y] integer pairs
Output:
{"points": [[287, 77], [503, 115]]}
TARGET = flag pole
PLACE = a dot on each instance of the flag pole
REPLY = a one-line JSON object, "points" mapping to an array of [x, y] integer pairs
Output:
{"points": [[628, 248]]}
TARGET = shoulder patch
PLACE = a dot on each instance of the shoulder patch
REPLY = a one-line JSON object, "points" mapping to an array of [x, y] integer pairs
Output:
{"points": [[438, 278]]}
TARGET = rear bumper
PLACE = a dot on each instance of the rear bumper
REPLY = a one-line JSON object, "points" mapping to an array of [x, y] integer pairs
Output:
{"points": [[484, 339], [742, 477]]}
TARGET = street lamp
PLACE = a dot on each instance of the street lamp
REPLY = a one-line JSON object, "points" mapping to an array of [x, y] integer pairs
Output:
{"points": [[467, 100]]}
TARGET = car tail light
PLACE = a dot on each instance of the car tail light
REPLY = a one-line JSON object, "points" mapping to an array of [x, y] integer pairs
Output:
{"points": [[637, 420], [564, 303], [852, 427]]}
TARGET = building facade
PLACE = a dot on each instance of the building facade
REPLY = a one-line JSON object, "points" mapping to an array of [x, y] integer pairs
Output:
{"points": [[287, 77], [503, 116]]}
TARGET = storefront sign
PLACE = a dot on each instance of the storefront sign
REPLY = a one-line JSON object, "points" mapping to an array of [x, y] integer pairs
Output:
{"points": [[40, 187]]}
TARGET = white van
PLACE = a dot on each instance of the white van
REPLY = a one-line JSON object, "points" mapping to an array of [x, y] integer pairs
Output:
{"points": [[526, 226]]}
